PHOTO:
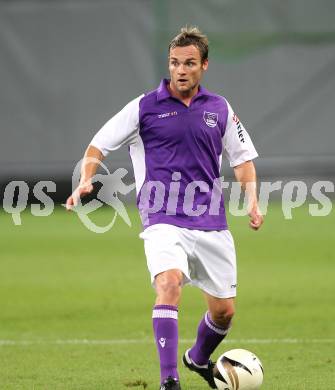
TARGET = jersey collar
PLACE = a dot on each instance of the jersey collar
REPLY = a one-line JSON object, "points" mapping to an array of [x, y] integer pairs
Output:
{"points": [[163, 92]]}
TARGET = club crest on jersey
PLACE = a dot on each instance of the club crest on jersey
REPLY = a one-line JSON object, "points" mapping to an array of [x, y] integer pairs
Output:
{"points": [[211, 118]]}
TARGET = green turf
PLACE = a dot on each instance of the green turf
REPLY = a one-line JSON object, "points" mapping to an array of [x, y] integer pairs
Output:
{"points": [[61, 282]]}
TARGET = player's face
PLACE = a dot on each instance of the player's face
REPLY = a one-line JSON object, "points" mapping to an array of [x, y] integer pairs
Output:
{"points": [[186, 70]]}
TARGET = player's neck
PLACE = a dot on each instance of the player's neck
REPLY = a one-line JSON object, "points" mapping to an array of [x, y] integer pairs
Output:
{"points": [[186, 97]]}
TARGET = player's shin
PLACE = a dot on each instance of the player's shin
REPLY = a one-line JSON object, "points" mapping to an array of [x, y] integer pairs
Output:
{"points": [[209, 337], [165, 325]]}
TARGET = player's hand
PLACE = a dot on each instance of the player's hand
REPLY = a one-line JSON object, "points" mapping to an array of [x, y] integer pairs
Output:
{"points": [[81, 191], [256, 218]]}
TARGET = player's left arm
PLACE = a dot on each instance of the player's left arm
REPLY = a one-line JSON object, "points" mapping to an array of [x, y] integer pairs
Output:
{"points": [[240, 151], [245, 174]]}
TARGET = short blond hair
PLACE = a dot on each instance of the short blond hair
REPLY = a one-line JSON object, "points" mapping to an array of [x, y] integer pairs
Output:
{"points": [[191, 35]]}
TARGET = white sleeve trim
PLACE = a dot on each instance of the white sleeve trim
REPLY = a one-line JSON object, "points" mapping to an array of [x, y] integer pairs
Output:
{"points": [[121, 129], [237, 144]]}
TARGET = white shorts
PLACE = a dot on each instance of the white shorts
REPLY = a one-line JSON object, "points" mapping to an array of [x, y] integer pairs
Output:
{"points": [[206, 258]]}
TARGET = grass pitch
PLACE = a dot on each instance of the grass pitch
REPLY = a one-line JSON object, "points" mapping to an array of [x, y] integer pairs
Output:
{"points": [[76, 306]]}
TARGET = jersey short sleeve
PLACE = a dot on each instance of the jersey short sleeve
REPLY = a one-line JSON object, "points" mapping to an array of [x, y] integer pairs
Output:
{"points": [[237, 144], [121, 129]]}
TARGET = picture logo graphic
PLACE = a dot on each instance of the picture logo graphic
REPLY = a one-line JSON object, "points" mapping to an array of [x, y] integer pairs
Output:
{"points": [[169, 197], [112, 185]]}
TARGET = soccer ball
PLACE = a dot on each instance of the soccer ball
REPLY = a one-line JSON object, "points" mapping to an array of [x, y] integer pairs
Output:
{"points": [[238, 369]]}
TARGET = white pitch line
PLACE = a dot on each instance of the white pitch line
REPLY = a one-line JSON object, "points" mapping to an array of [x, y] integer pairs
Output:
{"points": [[150, 341]]}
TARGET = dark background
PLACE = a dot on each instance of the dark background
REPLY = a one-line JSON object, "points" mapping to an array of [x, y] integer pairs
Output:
{"points": [[67, 66]]}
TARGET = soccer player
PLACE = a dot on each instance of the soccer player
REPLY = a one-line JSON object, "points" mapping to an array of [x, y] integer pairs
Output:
{"points": [[176, 136]]}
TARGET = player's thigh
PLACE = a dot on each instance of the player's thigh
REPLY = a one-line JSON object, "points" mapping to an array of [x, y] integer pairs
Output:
{"points": [[164, 251], [215, 264]]}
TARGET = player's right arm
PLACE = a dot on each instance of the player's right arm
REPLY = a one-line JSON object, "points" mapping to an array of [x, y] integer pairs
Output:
{"points": [[240, 151], [92, 159], [121, 129]]}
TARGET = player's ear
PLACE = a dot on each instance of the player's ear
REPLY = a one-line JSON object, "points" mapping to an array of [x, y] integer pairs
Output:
{"points": [[205, 64]]}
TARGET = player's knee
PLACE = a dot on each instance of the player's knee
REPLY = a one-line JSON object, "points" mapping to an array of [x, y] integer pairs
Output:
{"points": [[168, 287], [223, 316]]}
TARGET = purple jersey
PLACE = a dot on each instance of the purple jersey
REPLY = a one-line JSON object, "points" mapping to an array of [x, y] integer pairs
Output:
{"points": [[176, 152]]}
